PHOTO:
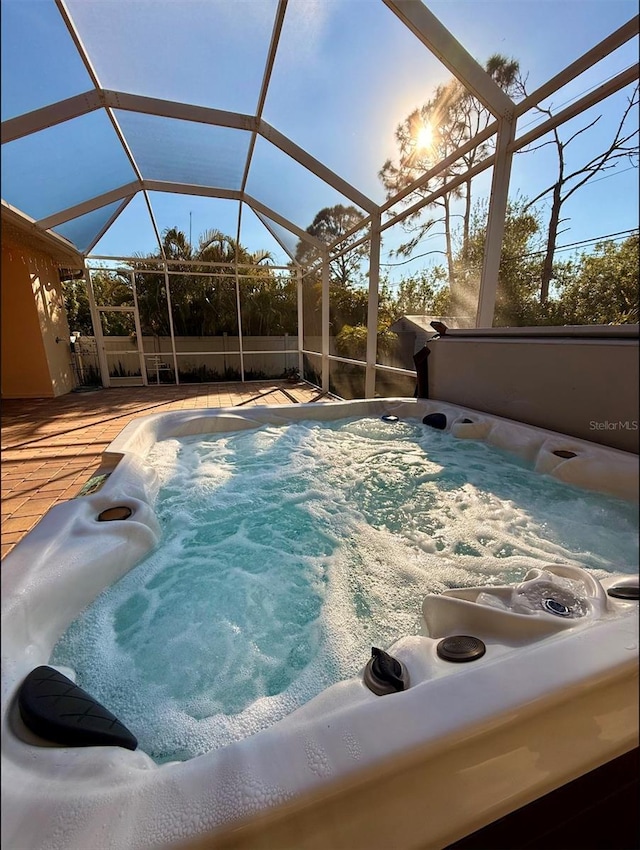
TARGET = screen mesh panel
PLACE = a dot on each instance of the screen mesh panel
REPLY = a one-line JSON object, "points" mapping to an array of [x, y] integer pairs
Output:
{"points": [[130, 234], [185, 151], [84, 229], [257, 234], [283, 184], [346, 380], [353, 67], [194, 216], [33, 38], [312, 312], [544, 37], [205, 52], [393, 385], [64, 165]]}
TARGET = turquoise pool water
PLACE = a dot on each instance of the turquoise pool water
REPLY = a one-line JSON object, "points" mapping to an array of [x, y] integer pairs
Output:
{"points": [[289, 551]]}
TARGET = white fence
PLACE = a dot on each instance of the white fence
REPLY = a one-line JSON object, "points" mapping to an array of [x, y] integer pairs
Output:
{"points": [[195, 355], [210, 358]]}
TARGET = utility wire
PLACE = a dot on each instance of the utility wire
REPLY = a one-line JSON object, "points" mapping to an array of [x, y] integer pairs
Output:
{"points": [[621, 234], [591, 241]]}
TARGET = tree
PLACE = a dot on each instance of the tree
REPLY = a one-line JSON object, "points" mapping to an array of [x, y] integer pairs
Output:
{"points": [[517, 293], [352, 341], [605, 288], [348, 302], [427, 136], [417, 295], [269, 306], [570, 179], [110, 288], [202, 304], [76, 304], [329, 225]]}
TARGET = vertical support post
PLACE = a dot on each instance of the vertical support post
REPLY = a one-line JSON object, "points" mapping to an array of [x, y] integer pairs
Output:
{"points": [[372, 311], [300, 323], [173, 338], [136, 318], [97, 330], [325, 320], [239, 315], [495, 223]]}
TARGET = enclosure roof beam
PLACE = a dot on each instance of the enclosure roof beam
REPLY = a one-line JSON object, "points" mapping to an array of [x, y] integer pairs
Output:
{"points": [[103, 230], [75, 36], [449, 186], [231, 195], [316, 167], [424, 178], [257, 206], [84, 55], [39, 119], [276, 236], [268, 70], [179, 111], [587, 60], [49, 116], [365, 222], [81, 104], [605, 90], [90, 205], [271, 58], [191, 189], [434, 35]]}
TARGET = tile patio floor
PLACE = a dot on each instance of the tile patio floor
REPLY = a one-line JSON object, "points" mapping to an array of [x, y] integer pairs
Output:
{"points": [[51, 447]]}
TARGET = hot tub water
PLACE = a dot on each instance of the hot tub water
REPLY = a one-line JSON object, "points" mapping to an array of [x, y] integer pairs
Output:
{"points": [[288, 551]]}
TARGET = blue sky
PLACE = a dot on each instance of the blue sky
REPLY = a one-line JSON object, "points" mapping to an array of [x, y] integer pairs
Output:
{"points": [[346, 74]]}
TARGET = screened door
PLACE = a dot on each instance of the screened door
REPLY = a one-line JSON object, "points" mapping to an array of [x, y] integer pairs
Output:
{"points": [[117, 329]]}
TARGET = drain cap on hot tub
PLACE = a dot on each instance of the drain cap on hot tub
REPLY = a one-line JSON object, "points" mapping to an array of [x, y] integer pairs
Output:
{"points": [[461, 648]]}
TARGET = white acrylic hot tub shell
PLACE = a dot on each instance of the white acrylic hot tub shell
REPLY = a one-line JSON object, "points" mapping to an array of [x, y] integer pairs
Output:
{"points": [[495, 734]]}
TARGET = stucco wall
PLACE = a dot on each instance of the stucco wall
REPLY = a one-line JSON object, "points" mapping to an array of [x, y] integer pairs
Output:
{"points": [[586, 388], [33, 315]]}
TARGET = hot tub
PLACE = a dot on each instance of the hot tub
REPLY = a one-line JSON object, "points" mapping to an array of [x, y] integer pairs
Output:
{"points": [[551, 695]]}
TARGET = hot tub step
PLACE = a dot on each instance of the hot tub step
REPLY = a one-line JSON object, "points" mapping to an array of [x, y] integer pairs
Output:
{"points": [[56, 709]]}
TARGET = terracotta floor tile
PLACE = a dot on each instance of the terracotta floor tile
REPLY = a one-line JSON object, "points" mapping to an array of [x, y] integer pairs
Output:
{"points": [[11, 503], [70, 493], [22, 523], [61, 478], [33, 507], [52, 486], [37, 483], [13, 476], [21, 487], [12, 537]]}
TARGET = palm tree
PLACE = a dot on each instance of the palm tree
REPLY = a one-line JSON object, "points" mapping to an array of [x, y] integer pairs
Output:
{"points": [[201, 305]]}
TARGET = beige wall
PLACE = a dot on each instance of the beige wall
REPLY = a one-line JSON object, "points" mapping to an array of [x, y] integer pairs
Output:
{"points": [[586, 388], [33, 315]]}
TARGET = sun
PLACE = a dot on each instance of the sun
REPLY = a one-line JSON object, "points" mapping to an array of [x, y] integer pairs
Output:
{"points": [[424, 137]]}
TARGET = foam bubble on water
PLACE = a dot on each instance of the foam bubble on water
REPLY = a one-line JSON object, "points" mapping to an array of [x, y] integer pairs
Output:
{"points": [[289, 551]]}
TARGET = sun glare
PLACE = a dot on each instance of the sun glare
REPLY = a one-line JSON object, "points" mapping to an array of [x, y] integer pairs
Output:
{"points": [[424, 137]]}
